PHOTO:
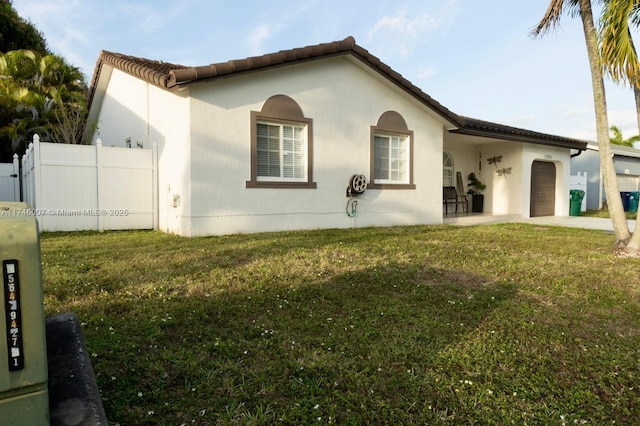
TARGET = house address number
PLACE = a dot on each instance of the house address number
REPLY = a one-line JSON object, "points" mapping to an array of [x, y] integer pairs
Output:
{"points": [[13, 314]]}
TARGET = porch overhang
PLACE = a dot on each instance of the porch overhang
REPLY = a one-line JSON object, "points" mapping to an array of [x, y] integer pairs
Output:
{"points": [[486, 129]]}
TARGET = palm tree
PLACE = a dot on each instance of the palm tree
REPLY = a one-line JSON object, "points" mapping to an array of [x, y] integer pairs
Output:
{"points": [[618, 51], [619, 55], [41, 94], [620, 59], [617, 139], [550, 20]]}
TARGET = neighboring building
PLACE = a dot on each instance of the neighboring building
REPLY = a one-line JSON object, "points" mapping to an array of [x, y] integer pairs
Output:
{"points": [[271, 143], [626, 161]]}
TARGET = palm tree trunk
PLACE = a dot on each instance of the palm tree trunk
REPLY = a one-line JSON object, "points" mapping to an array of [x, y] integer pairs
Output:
{"points": [[634, 83], [634, 242], [614, 201], [636, 94]]}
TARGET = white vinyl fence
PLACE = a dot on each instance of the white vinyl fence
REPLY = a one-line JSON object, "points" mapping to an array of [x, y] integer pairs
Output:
{"points": [[10, 180], [90, 187]]}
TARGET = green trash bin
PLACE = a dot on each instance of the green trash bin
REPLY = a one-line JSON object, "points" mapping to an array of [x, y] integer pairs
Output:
{"points": [[633, 201], [575, 204]]}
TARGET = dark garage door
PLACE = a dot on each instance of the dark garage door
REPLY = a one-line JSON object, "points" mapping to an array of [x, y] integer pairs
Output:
{"points": [[543, 189]]}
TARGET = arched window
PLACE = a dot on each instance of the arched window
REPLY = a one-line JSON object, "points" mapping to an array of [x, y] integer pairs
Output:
{"points": [[447, 169], [281, 146], [391, 153]]}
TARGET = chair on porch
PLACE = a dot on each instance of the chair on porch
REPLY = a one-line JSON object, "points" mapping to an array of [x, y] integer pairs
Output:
{"points": [[450, 195], [461, 195]]}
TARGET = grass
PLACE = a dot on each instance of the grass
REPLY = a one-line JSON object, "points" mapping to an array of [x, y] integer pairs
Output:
{"points": [[508, 323]]}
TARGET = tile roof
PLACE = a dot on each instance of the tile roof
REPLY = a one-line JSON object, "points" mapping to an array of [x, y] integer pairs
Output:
{"points": [[169, 76], [475, 127]]}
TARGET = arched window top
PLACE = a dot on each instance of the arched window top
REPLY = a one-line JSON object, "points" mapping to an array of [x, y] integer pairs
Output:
{"points": [[447, 169], [281, 146], [391, 152], [282, 107], [447, 159], [392, 121]]}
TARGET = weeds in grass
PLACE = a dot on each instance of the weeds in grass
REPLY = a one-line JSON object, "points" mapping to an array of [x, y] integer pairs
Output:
{"points": [[410, 325]]}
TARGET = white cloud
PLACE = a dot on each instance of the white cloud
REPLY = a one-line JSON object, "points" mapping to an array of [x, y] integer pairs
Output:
{"points": [[258, 36], [38, 11], [404, 25], [576, 111], [625, 120], [403, 31], [150, 18], [427, 72]]}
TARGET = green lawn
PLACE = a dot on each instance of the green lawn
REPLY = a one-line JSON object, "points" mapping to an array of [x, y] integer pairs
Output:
{"points": [[499, 324]]}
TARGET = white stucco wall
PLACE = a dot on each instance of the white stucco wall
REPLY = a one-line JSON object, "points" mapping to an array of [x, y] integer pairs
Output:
{"points": [[510, 193], [561, 159], [203, 139], [344, 100], [132, 108]]}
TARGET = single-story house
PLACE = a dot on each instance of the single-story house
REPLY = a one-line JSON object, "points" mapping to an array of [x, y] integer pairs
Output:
{"points": [[323, 136], [626, 161]]}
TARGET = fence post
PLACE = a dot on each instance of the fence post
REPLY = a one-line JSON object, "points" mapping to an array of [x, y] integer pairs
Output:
{"points": [[26, 176], [16, 178], [23, 194], [154, 174], [99, 183], [37, 184]]}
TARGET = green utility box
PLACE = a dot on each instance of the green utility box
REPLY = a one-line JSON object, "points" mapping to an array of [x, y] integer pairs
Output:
{"points": [[24, 397]]}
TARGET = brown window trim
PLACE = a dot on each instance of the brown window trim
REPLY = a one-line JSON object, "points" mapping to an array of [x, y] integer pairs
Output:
{"points": [[391, 186], [284, 110], [382, 130]]}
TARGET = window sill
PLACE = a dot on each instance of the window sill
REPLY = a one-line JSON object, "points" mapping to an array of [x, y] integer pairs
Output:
{"points": [[281, 185], [391, 186]]}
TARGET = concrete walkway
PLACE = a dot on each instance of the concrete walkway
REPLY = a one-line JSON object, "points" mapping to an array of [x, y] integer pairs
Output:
{"points": [[603, 224]]}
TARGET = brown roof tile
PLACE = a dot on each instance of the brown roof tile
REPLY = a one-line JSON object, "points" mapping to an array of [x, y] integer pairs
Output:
{"points": [[167, 76], [475, 127]]}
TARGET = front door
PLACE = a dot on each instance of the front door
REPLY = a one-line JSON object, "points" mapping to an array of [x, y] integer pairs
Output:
{"points": [[543, 189]]}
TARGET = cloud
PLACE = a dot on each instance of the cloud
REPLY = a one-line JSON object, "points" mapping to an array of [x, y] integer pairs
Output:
{"points": [[427, 72], [258, 36], [149, 19], [403, 31], [577, 111], [625, 120], [400, 23]]}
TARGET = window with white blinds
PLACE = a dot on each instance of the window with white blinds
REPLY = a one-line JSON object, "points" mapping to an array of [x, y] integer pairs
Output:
{"points": [[281, 152]]}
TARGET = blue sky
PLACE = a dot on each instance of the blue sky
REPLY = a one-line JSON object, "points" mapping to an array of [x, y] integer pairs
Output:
{"points": [[474, 57]]}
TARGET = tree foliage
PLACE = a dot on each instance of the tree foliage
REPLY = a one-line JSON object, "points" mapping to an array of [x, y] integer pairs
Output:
{"points": [[618, 52], [618, 139], [39, 94], [17, 33]]}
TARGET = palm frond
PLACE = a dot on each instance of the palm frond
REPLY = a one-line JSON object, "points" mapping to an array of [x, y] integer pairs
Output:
{"points": [[551, 18], [618, 53]]}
